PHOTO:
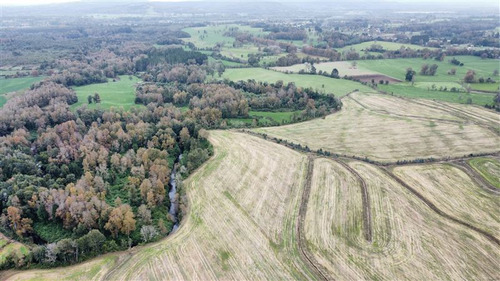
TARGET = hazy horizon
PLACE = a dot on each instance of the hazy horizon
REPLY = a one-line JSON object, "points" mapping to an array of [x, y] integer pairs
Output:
{"points": [[46, 2]]}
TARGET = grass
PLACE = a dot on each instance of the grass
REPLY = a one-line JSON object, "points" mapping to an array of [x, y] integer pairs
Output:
{"points": [[397, 68], [17, 248], [113, 94], [278, 117], [339, 87], [388, 129], [209, 36], [225, 62], [264, 118], [344, 68], [409, 91], [51, 231], [15, 84], [489, 168], [487, 87], [388, 46], [239, 53]]}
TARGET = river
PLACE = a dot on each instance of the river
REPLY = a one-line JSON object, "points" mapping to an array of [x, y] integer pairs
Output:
{"points": [[174, 204]]}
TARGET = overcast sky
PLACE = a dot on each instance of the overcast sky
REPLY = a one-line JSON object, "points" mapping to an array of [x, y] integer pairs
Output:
{"points": [[39, 2]]}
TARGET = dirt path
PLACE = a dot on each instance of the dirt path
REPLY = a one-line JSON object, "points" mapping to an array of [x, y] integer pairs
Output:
{"points": [[438, 211], [309, 259], [367, 219]]}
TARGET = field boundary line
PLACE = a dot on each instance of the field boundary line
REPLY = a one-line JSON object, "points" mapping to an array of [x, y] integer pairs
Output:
{"points": [[316, 268], [333, 155], [439, 211], [367, 218]]}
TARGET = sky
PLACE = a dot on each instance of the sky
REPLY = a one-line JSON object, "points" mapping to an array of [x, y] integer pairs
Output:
{"points": [[40, 2]]}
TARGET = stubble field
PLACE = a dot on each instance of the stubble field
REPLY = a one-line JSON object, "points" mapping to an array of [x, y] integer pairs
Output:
{"points": [[388, 129]]}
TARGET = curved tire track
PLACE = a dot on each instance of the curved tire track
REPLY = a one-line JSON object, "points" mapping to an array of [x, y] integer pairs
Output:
{"points": [[367, 218], [476, 177], [438, 211], [307, 257]]}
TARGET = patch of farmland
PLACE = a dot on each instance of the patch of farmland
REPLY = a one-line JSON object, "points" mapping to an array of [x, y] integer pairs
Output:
{"points": [[118, 93], [339, 87], [387, 137], [387, 46], [488, 168], [410, 241], [454, 192], [243, 205], [344, 68], [409, 91], [397, 68], [209, 36]]}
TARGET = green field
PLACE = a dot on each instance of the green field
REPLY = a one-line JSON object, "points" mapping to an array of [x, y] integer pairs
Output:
{"points": [[15, 84], [487, 87], [225, 62], [397, 68], [239, 53], [209, 36], [275, 116], [264, 118], [388, 46], [117, 94], [406, 90], [339, 87], [489, 168]]}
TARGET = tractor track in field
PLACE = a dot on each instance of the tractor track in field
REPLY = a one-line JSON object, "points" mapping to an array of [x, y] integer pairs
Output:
{"points": [[438, 211], [475, 176], [457, 112], [384, 112], [307, 258], [386, 168], [367, 218]]}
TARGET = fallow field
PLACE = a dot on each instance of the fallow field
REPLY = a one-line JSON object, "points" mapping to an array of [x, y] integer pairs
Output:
{"points": [[367, 127]]}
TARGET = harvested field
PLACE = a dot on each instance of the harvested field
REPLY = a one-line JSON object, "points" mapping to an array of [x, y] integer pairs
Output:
{"points": [[410, 241], [393, 133], [244, 205], [454, 192]]}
